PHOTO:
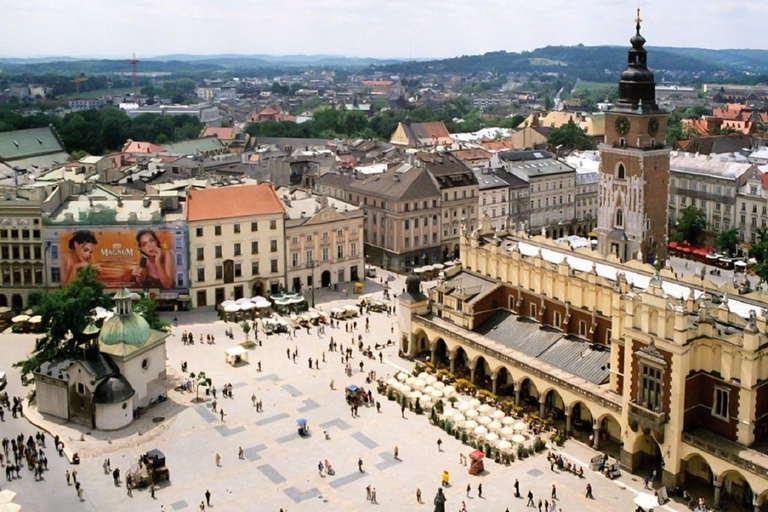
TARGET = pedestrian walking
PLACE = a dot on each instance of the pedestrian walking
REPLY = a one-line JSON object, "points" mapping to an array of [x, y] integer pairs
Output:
{"points": [[253, 400], [80, 493], [202, 506], [397, 453], [152, 490], [589, 492], [517, 488], [554, 492], [213, 406], [368, 492], [530, 499], [360, 465], [208, 497], [479, 490], [439, 445], [463, 507], [418, 495], [402, 410], [222, 414], [240, 453], [540, 504], [74, 476], [373, 496], [469, 489], [217, 458], [66, 474]]}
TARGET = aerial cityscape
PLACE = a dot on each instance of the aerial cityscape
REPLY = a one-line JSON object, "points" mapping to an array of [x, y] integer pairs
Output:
{"points": [[359, 261]]}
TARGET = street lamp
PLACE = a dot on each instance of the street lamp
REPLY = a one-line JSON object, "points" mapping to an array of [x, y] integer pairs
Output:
{"points": [[311, 266]]}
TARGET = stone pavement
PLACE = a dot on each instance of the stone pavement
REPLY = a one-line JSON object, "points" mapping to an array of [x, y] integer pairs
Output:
{"points": [[279, 468]]}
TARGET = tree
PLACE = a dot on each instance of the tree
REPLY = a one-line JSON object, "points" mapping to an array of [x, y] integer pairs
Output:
{"points": [[65, 314], [691, 225], [570, 136], [728, 240], [147, 308], [246, 328], [200, 379]]}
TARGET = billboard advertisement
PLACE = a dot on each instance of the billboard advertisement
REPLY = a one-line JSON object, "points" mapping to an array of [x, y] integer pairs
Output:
{"points": [[135, 257]]}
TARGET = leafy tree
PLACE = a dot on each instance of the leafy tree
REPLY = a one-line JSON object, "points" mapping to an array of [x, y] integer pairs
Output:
{"points": [[691, 225], [728, 240], [548, 102], [246, 328], [147, 308], [66, 313], [200, 380], [570, 136]]}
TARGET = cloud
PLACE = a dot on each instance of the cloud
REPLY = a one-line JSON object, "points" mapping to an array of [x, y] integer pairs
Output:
{"points": [[381, 28]]}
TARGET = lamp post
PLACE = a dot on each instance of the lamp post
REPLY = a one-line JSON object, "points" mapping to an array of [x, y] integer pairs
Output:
{"points": [[311, 267]]}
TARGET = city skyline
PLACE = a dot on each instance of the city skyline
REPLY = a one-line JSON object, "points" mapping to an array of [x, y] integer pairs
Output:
{"points": [[397, 30]]}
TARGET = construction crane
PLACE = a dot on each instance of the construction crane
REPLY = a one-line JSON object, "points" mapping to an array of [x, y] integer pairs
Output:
{"points": [[78, 80], [134, 73]]}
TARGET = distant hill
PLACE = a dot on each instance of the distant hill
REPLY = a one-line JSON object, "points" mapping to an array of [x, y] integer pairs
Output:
{"points": [[280, 60], [594, 62]]}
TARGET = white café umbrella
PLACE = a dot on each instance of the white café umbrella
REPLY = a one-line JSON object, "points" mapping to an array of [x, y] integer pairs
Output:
{"points": [[402, 376], [431, 380], [436, 394], [428, 390], [458, 418], [7, 496], [472, 414], [20, 318], [425, 400], [464, 406], [474, 402], [405, 388], [470, 425], [10, 507], [423, 375], [449, 390], [410, 380], [227, 303], [484, 408], [419, 383], [480, 431], [438, 385], [520, 426], [247, 306], [497, 414], [492, 437], [392, 381], [495, 425], [646, 501], [504, 445], [263, 304], [416, 394], [257, 298], [232, 308], [517, 438], [508, 420], [507, 432], [243, 301], [484, 420]]}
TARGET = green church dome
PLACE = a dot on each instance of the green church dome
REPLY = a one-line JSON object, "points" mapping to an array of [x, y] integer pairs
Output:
{"points": [[130, 329]]}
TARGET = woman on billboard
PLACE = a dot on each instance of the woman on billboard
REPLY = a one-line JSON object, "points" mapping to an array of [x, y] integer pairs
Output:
{"points": [[81, 246], [156, 262]]}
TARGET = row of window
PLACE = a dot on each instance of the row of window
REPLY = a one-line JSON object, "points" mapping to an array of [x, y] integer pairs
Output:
{"points": [[325, 254], [19, 252], [705, 187], [218, 251], [217, 230], [309, 237], [26, 276], [20, 234], [237, 270], [546, 201]]}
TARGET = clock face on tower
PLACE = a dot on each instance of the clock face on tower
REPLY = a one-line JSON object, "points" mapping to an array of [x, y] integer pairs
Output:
{"points": [[622, 125], [653, 126]]}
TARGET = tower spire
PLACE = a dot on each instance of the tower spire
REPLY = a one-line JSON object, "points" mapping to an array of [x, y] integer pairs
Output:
{"points": [[638, 19]]}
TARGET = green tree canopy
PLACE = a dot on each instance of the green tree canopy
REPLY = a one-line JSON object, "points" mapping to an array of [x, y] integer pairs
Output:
{"points": [[66, 313], [570, 136], [727, 241], [690, 226]]}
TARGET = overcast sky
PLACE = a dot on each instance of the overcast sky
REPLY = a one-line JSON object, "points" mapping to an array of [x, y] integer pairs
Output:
{"points": [[365, 28]]}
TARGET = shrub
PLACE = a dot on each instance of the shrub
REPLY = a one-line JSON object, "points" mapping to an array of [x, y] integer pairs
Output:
{"points": [[445, 374], [417, 369], [448, 426], [429, 365], [507, 405], [404, 401], [488, 395], [453, 400], [521, 453], [391, 394], [538, 444], [417, 407], [559, 440], [456, 434], [487, 451], [433, 415], [464, 437], [531, 451], [440, 406], [463, 385]]}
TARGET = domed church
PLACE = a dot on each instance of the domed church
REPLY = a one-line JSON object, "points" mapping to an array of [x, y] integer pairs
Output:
{"points": [[122, 368]]}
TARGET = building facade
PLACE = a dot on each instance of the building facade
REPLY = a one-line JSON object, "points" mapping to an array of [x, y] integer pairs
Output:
{"points": [[751, 207], [22, 259], [236, 243], [324, 240], [493, 198], [711, 185]]}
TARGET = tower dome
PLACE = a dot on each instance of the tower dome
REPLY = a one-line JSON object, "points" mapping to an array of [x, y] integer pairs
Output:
{"points": [[637, 85], [125, 326], [412, 284]]}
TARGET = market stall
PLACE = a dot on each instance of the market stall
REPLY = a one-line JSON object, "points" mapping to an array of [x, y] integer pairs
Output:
{"points": [[236, 356]]}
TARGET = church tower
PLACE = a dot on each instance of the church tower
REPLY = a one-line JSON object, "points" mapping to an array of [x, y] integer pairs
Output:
{"points": [[634, 166]]}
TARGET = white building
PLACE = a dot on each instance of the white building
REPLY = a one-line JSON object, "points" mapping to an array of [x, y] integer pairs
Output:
{"points": [[206, 113]]}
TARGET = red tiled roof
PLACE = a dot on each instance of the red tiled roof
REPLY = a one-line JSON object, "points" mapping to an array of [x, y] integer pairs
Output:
{"points": [[218, 132], [268, 111], [135, 146], [497, 145], [470, 154], [764, 179], [232, 201]]}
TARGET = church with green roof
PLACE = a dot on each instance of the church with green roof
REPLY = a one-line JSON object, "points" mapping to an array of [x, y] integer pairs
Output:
{"points": [[122, 367]]}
